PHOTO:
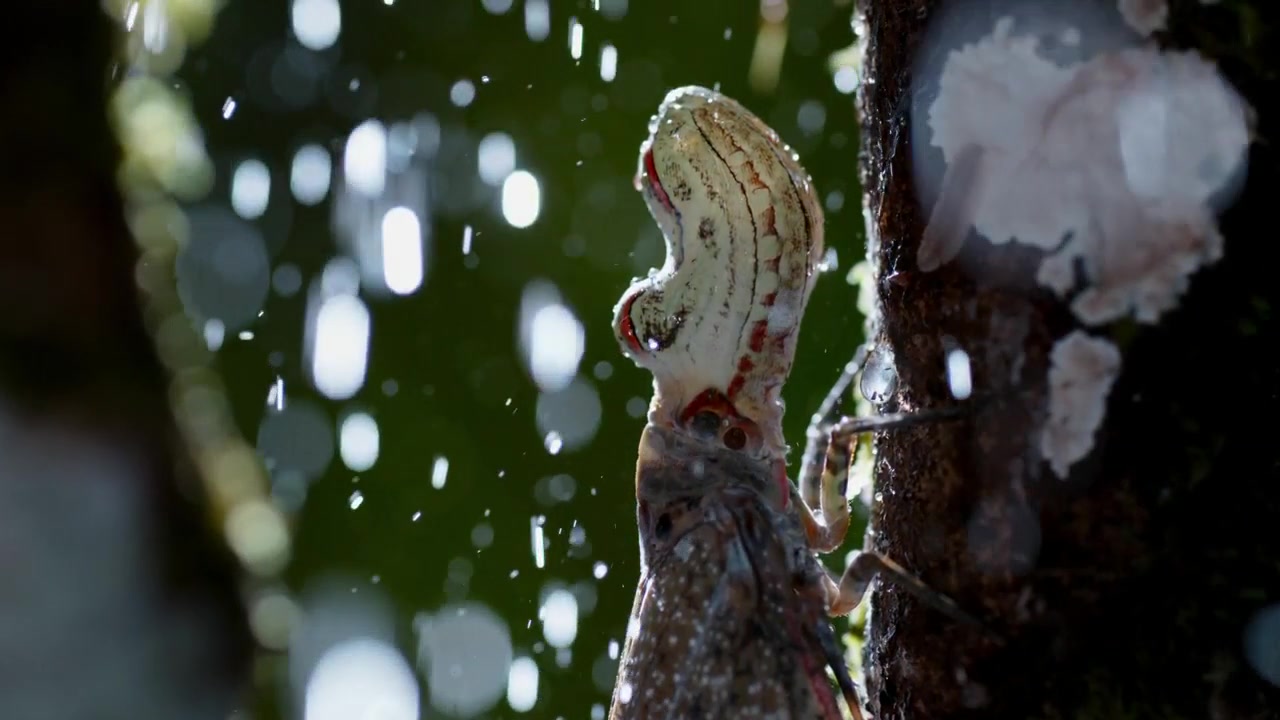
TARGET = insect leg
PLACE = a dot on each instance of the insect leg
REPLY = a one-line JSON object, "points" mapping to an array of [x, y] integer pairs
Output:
{"points": [[817, 436], [835, 660], [846, 594], [830, 474]]}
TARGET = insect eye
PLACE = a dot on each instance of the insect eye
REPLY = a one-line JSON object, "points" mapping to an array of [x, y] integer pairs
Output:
{"points": [[705, 424], [735, 438], [742, 434], [662, 528]]}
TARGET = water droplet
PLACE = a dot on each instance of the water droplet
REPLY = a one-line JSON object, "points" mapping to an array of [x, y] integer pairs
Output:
{"points": [[553, 443], [559, 616], [537, 541], [439, 471], [879, 377], [522, 684], [465, 654], [959, 374]]}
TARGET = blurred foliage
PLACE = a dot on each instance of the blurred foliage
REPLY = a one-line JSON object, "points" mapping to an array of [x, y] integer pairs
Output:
{"points": [[165, 161], [445, 378]]}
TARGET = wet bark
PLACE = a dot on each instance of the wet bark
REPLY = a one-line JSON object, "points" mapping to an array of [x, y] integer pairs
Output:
{"points": [[113, 587], [1129, 589]]}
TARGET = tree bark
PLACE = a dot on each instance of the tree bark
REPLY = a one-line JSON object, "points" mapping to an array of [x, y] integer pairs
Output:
{"points": [[1132, 588], [117, 600]]}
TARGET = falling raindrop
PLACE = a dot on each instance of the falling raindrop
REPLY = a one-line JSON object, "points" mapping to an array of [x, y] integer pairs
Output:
{"points": [[537, 19], [537, 541], [316, 23], [309, 174], [439, 471], [608, 63], [559, 616], [551, 335], [573, 412], [553, 443], [465, 653], [959, 375], [358, 441], [250, 188], [522, 684], [521, 199]]}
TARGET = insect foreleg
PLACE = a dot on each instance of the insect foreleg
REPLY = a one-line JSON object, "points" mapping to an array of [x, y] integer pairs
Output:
{"points": [[818, 434]]}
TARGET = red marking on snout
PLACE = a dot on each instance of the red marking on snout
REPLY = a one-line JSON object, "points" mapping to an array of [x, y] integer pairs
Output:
{"points": [[770, 221], [758, 332], [655, 185], [745, 365], [627, 327], [770, 299], [735, 385]]}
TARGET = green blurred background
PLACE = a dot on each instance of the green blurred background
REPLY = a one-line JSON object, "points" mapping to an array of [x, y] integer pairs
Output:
{"points": [[445, 377]]}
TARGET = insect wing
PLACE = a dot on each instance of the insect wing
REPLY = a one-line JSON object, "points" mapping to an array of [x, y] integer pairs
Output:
{"points": [[717, 631]]}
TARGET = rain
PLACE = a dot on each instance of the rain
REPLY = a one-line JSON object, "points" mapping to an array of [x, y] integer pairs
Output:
{"points": [[381, 247]]}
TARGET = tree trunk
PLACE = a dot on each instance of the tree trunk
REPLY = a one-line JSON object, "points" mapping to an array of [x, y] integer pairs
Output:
{"points": [[1146, 584], [116, 599]]}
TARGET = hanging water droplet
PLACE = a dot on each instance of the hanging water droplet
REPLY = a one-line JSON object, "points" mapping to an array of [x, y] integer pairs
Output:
{"points": [[879, 378]]}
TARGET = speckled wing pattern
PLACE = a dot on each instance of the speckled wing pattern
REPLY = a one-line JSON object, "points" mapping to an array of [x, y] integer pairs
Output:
{"points": [[729, 618]]}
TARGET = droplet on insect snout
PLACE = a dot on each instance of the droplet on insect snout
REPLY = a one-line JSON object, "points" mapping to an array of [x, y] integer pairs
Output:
{"points": [[879, 378]]}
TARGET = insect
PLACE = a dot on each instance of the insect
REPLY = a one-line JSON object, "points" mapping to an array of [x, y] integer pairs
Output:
{"points": [[731, 613]]}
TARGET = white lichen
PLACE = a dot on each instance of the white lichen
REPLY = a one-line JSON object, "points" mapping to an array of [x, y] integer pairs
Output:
{"points": [[1082, 370], [1115, 166], [1145, 16]]}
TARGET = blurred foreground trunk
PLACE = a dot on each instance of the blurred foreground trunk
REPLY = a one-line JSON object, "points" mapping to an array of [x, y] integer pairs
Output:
{"points": [[115, 599], [1147, 585]]}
